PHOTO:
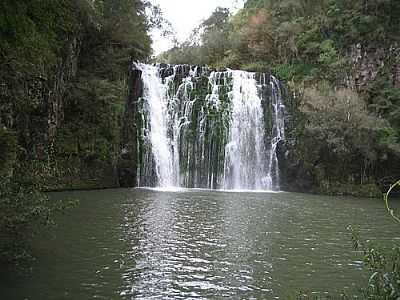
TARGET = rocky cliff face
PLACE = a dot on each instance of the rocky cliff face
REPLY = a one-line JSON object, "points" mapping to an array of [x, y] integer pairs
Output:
{"points": [[128, 163], [369, 60], [341, 148], [44, 111], [33, 106], [66, 71], [396, 72]]}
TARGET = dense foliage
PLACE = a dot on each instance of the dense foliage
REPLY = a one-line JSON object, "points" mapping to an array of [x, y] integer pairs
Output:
{"points": [[319, 48], [63, 67]]}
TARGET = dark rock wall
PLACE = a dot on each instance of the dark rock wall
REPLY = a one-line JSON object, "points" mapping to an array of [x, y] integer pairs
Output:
{"points": [[33, 106], [368, 60], [66, 71], [128, 164]]}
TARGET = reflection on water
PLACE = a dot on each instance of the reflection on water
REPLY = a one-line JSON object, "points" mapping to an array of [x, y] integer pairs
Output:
{"points": [[191, 247], [147, 244]]}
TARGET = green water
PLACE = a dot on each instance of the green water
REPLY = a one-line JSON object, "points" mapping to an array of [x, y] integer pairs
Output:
{"points": [[147, 244]]}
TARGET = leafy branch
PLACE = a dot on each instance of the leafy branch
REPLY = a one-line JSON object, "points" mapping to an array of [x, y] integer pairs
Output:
{"points": [[386, 199]]}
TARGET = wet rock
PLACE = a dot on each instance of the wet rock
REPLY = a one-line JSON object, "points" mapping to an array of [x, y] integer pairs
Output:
{"points": [[127, 165]]}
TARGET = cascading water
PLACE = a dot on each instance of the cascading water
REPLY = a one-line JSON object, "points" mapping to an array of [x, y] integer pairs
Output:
{"points": [[207, 129], [278, 130], [245, 155], [156, 104]]}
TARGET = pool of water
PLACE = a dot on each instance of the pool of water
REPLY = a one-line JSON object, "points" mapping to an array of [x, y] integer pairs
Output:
{"points": [[199, 244]]}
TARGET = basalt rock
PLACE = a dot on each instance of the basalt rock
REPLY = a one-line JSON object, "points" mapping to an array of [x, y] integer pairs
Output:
{"points": [[369, 60], [36, 121], [128, 164]]}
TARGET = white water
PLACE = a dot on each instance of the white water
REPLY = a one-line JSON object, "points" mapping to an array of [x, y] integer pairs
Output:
{"points": [[248, 160], [278, 130], [155, 94], [245, 152]]}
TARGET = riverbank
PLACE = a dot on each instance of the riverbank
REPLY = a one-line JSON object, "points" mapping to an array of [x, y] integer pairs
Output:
{"points": [[360, 191]]}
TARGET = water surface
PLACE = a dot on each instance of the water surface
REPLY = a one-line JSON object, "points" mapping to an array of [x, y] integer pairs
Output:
{"points": [[199, 244]]}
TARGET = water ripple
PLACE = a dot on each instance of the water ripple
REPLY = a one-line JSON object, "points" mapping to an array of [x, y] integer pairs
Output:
{"points": [[146, 244]]}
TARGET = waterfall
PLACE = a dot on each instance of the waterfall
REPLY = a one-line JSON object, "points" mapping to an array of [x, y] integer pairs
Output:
{"points": [[207, 129]]}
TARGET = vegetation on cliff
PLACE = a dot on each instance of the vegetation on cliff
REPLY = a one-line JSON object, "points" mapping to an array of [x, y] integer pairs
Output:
{"points": [[62, 95], [341, 61]]}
